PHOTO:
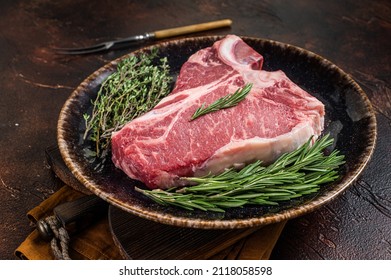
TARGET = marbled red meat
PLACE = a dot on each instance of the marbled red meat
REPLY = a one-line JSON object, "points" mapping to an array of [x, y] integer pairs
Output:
{"points": [[163, 145]]}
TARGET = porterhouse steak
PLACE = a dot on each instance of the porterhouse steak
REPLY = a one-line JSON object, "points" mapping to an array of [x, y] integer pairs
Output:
{"points": [[163, 145]]}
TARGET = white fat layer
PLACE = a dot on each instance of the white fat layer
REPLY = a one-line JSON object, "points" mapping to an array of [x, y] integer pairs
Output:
{"points": [[239, 153]]}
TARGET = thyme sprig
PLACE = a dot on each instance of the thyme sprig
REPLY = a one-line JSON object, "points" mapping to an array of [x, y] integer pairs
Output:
{"points": [[224, 102], [293, 175], [138, 85]]}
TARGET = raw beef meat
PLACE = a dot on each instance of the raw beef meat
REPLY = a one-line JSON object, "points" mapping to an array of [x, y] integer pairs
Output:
{"points": [[163, 145]]}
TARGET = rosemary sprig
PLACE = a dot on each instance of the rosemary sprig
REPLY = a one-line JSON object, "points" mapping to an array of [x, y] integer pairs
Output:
{"points": [[138, 85], [227, 101], [293, 175]]}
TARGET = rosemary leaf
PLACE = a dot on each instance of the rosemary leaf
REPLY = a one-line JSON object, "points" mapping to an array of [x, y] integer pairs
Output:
{"points": [[227, 101], [300, 172]]}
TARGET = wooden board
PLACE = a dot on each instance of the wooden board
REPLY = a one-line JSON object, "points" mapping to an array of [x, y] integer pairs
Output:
{"points": [[139, 238]]}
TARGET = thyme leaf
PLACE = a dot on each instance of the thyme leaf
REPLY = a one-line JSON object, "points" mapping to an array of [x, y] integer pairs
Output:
{"points": [[227, 101], [139, 83], [295, 174]]}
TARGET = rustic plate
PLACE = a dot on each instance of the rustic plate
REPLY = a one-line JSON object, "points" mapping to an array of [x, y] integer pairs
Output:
{"points": [[349, 118]]}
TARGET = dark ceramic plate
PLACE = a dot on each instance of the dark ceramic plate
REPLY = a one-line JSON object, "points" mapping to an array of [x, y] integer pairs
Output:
{"points": [[349, 118]]}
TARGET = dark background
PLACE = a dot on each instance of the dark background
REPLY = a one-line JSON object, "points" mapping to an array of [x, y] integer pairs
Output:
{"points": [[35, 82]]}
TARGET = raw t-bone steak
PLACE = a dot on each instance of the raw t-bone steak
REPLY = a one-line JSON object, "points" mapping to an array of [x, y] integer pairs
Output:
{"points": [[163, 145]]}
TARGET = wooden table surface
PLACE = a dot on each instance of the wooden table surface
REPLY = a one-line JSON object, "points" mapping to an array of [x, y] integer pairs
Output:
{"points": [[34, 84]]}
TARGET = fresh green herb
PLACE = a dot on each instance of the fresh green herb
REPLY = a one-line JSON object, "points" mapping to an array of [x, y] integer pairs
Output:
{"points": [[293, 175], [227, 101], [138, 85]]}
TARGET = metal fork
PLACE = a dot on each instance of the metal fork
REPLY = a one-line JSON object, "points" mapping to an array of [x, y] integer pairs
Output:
{"points": [[155, 35]]}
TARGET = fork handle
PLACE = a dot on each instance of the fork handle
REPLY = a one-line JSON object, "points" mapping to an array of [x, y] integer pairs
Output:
{"points": [[171, 32]]}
